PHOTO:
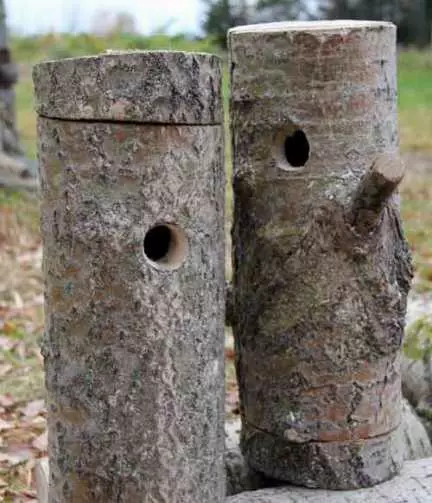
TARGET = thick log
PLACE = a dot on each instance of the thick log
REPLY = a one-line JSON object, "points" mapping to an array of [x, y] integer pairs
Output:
{"points": [[413, 485], [319, 304], [414, 443], [133, 233]]}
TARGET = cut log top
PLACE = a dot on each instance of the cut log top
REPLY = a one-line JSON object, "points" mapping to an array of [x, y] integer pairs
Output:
{"points": [[330, 74], [412, 486], [169, 87], [306, 26]]}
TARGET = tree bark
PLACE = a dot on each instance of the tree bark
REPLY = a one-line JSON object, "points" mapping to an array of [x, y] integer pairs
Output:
{"points": [[321, 266], [414, 442], [413, 485], [133, 232]]}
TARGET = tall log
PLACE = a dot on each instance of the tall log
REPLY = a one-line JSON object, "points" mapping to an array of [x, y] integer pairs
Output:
{"points": [[321, 266], [131, 160]]}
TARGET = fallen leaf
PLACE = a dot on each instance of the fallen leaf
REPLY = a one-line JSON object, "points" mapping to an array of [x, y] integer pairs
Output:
{"points": [[20, 496], [16, 457], [33, 408], [5, 368], [19, 304], [3, 483], [41, 442], [229, 354], [9, 328], [6, 344], [6, 425], [20, 350], [6, 400], [38, 422]]}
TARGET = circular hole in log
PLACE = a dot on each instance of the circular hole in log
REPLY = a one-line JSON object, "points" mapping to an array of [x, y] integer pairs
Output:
{"points": [[165, 246], [296, 149]]}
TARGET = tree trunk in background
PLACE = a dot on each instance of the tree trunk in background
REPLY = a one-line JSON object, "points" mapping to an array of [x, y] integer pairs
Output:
{"points": [[15, 171], [321, 266], [133, 229], [8, 78]]}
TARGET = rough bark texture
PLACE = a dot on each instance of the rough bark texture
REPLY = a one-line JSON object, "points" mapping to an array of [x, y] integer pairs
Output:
{"points": [[413, 485], [156, 86], [134, 342], [319, 304]]}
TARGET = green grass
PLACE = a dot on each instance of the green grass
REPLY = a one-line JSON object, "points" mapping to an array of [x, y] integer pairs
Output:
{"points": [[415, 99], [417, 219]]}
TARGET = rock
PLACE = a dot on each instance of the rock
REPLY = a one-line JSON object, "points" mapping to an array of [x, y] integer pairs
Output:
{"points": [[239, 477], [417, 369], [18, 173], [413, 485], [415, 439]]}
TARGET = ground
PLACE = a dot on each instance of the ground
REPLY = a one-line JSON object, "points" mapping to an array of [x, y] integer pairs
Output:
{"points": [[22, 412]]}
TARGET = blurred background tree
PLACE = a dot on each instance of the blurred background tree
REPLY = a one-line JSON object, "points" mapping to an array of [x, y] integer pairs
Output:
{"points": [[221, 15], [413, 17]]}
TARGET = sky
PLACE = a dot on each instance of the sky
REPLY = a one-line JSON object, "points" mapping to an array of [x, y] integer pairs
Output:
{"points": [[29, 16]]}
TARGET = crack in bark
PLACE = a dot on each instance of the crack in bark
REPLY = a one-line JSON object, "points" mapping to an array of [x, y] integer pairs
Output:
{"points": [[318, 442]]}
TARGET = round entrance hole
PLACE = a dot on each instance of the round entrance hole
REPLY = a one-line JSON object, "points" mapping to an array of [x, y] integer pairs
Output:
{"points": [[165, 246], [296, 149]]}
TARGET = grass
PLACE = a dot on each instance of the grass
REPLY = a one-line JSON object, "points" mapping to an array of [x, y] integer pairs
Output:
{"points": [[415, 99], [417, 219]]}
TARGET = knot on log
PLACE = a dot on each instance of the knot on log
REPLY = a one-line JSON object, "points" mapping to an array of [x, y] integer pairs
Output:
{"points": [[374, 190]]}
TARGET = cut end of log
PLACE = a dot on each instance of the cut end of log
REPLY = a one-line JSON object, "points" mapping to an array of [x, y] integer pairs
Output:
{"points": [[333, 25], [391, 167], [168, 87]]}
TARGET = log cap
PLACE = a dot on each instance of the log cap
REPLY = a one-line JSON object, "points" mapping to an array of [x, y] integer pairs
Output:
{"points": [[327, 27], [168, 87]]}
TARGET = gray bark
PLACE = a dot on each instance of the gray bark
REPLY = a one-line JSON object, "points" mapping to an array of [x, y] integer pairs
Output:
{"points": [[133, 232], [319, 301], [413, 485]]}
